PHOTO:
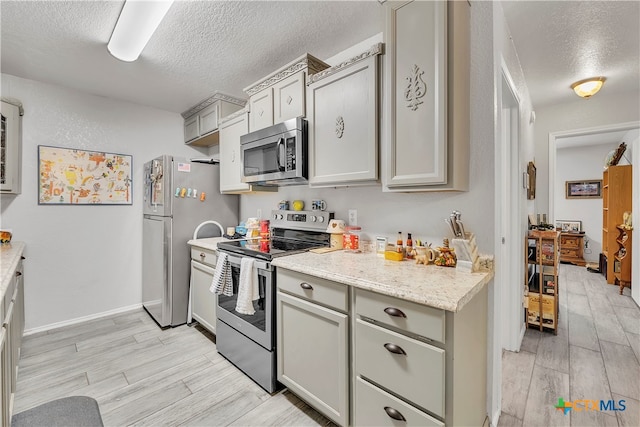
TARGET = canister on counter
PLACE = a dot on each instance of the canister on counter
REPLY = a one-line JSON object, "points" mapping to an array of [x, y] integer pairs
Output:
{"points": [[351, 238]]}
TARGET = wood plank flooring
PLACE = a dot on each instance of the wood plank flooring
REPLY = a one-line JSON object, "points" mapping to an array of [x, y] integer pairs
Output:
{"points": [[144, 376], [596, 355]]}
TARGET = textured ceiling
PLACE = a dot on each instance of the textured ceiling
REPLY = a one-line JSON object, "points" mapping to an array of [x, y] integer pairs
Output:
{"points": [[204, 46], [560, 42], [200, 47]]}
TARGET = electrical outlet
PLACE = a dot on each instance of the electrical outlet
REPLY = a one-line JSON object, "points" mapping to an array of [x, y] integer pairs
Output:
{"points": [[259, 213], [353, 217]]}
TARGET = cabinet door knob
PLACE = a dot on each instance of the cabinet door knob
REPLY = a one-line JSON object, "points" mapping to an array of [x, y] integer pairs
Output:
{"points": [[393, 348], [18, 274], [394, 413], [392, 311], [305, 285]]}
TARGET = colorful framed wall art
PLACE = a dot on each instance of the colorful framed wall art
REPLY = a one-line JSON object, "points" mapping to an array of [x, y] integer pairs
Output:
{"points": [[68, 176]]}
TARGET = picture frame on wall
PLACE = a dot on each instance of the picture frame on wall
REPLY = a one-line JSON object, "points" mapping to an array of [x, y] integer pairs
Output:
{"points": [[589, 189], [569, 226], [531, 188], [68, 176]]}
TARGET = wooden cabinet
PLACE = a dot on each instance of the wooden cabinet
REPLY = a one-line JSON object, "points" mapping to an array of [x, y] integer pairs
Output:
{"points": [[203, 301], [622, 258], [426, 144], [343, 122], [202, 121], [281, 95], [541, 279], [616, 200], [11, 147], [572, 248], [312, 342]]}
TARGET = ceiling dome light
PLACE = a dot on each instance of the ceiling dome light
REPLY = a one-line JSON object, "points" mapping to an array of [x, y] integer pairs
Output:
{"points": [[136, 24], [588, 87]]}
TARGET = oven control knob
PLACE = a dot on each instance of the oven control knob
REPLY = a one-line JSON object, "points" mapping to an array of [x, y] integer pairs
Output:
{"points": [[321, 219], [275, 216], [280, 216], [313, 218]]}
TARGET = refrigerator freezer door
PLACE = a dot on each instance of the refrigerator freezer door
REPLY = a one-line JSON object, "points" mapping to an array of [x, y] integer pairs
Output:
{"points": [[157, 186], [156, 268]]}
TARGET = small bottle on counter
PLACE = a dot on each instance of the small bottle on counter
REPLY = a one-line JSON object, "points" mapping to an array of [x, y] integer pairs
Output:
{"points": [[409, 247], [400, 244]]}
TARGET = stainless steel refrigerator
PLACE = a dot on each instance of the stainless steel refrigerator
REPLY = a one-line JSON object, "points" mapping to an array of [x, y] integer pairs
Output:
{"points": [[178, 195]]}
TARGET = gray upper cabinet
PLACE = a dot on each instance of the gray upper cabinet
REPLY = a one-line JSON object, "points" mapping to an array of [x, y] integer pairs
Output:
{"points": [[281, 95], [343, 122], [11, 147], [427, 96], [202, 121]]}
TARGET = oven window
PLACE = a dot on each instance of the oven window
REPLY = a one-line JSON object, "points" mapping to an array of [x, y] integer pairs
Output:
{"points": [[261, 160], [226, 303]]}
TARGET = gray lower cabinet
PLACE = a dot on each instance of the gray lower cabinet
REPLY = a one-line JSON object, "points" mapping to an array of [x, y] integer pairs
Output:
{"points": [[12, 309], [203, 301], [313, 342]]}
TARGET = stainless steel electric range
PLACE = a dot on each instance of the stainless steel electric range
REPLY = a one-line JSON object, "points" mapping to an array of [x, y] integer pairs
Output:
{"points": [[249, 341]]}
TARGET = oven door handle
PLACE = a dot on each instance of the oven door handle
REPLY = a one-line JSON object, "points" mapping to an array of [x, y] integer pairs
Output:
{"points": [[278, 145], [236, 261]]}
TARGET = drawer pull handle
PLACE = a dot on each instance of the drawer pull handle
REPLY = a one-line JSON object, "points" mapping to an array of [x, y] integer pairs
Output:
{"points": [[393, 348], [394, 413], [305, 285], [392, 311], [18, 274], [202, 255]]}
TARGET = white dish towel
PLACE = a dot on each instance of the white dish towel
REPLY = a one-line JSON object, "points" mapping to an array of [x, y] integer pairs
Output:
{"points": [[247, 286], [222, 282]]}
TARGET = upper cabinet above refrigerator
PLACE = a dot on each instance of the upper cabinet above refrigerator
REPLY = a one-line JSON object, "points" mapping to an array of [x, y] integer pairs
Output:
{"points": [[202, 121]]}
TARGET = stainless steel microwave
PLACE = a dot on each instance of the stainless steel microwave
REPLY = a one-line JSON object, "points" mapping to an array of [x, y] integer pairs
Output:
{"points": [[276, 155]]}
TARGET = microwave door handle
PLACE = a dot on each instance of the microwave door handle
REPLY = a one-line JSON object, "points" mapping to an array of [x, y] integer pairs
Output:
{"points": [[278, 145]]}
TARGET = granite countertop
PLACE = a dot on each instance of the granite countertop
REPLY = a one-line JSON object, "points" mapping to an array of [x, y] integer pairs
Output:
{"points": [[210, 243], [440, 287], [10, 254]]}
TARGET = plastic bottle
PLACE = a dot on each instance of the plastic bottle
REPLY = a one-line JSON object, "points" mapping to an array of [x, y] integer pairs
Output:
{"points": [[409, 247]]}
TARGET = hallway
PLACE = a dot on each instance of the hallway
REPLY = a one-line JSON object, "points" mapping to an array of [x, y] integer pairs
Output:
{"points": [[595, 356]]}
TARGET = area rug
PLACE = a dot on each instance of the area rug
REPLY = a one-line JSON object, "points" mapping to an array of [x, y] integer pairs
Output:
{"points": [[80, 411]]}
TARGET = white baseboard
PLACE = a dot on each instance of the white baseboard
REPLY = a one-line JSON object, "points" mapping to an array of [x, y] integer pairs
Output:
{"points": [[81, 319]]}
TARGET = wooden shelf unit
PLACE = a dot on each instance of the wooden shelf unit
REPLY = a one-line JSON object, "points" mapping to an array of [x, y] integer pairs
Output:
{"points": [[616, 199], [622, 259], [542, 256]]}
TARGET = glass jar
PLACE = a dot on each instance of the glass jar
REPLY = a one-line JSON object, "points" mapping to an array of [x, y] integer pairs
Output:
{"points": [[351, 239]]}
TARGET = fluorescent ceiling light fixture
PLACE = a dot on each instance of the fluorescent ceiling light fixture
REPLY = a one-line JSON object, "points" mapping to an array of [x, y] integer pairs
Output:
{"points": [[136, 24], [588, 87]]}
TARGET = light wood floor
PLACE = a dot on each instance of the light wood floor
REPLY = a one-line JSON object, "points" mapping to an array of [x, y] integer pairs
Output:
{"points": [[596, 355], [142, 375]]}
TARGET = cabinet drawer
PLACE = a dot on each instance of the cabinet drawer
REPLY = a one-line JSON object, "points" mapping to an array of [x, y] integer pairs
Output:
{"points": [[411, 317], [375, 407], [569, 242], [321, 291], [205, 256], [408, 367]]}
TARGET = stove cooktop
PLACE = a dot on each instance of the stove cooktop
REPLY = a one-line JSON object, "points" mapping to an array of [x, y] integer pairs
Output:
{"points": [[269, 250]]}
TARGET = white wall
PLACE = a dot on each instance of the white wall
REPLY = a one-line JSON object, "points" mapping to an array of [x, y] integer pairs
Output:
{"points": [[602, 109], [82, 260], [577, 164]]}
